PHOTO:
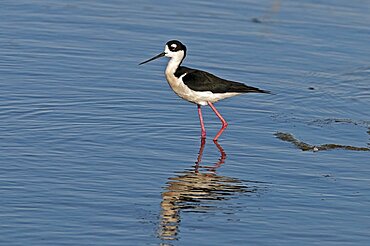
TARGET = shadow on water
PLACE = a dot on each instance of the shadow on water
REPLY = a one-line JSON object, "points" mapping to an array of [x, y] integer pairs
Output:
{"points": [[287, 137], [197, 190]]}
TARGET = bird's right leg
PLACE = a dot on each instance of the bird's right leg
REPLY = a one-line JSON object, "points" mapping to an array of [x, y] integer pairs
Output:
{"points": [[224, 123], [201, 121]]}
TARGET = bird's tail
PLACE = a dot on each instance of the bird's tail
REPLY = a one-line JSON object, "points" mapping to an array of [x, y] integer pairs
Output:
{"points": [[257, 90], [239, 87]]}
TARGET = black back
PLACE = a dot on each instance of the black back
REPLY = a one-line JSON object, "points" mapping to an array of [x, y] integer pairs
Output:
{"points": [[198, 80]]}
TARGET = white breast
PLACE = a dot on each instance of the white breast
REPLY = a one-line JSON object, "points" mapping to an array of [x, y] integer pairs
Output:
{"points": [[178, 86], [198, 97]]}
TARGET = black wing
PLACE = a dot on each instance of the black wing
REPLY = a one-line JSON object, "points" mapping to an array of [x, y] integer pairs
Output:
{"points": [[198, 80]]}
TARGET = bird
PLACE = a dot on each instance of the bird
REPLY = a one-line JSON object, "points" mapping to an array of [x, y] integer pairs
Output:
{"points": [[197, 86]]}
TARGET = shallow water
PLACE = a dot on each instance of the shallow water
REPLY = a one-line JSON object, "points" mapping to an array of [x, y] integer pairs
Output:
{"points": [[96, 150]]}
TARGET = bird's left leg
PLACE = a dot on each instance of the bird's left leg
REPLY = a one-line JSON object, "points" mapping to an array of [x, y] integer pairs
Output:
{"points": [[201, 121], [224, 123]]}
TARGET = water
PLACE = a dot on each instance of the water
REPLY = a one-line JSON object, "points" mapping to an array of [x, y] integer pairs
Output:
{"points": [[95, 150]]}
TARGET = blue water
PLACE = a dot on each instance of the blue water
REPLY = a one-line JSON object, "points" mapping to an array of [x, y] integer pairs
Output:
{"points": [[96, 150]]}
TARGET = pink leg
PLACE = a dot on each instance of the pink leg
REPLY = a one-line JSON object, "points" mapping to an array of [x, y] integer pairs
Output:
{"points": [[201, 122], [224, 123]]}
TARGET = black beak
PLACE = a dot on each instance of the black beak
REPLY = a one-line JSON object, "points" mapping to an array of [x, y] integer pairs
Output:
{"points": [[156, 57]]}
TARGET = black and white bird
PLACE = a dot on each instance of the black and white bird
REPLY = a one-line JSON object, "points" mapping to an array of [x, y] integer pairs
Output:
{"points": [[196, 86]]}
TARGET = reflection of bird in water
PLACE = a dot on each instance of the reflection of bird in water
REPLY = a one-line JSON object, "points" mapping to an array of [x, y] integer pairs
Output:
{"points": [[196, 191]]}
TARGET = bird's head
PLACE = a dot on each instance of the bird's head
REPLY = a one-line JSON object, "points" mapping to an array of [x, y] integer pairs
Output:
{"points": [[173, 49]]}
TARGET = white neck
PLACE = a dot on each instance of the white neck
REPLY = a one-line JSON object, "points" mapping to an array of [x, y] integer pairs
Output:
{"points": [[174, 62]]}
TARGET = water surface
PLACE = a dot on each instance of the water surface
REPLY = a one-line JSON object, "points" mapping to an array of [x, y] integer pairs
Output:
{"points": [[96, 150]]}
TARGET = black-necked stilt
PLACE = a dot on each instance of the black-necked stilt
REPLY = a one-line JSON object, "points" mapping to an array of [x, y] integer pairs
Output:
{"points": [[196, 86]]}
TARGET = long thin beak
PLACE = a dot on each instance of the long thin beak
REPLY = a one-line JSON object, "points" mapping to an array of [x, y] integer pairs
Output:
{"points": [[156, 57]]}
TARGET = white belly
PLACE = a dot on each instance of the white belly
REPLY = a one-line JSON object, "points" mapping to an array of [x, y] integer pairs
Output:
{"points": [[198, 97]]}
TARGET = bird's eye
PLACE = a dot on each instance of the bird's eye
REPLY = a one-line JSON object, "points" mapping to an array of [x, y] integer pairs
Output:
{"points": [[173, 46]]}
